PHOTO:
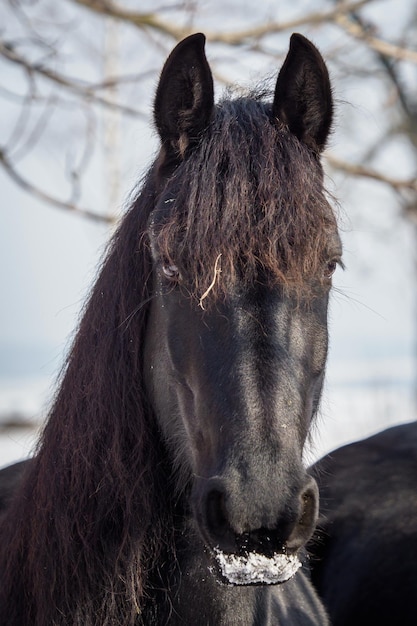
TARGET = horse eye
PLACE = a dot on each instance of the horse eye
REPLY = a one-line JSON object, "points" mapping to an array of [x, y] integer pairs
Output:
{"points": [[170, 271], [330, 268]]}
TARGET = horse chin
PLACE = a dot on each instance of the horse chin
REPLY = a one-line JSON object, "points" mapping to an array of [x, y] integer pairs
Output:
{"points": [[254, 568]]}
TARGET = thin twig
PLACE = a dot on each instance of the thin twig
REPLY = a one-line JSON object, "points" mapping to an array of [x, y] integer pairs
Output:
{"points": [[153, 21], [85, 91], [355, 169], [354, 29], [45, 197]]}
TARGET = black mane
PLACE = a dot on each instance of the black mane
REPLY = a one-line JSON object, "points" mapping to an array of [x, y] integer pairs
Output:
{"points": [[105, 475]]}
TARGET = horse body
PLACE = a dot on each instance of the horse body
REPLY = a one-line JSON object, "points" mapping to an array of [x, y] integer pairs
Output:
{"points": [[176, 437], [365, 567], [10, 478]]}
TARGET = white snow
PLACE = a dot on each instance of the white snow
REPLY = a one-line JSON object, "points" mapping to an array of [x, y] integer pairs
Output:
{"points": [[255, 568]]}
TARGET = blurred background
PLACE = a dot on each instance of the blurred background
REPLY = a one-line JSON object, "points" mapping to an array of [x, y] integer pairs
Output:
{"points": [[77, 79]]}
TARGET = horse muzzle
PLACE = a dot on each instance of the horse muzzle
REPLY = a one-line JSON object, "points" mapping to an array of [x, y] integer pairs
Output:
{"points": [[255, 539]]}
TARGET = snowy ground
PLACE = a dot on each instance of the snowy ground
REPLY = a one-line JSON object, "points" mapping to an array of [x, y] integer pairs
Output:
{"points": [[16, 444], [22, 404]]}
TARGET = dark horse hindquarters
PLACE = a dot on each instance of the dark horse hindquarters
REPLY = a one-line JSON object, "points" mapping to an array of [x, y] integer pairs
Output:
{"points": [[176, 437], [365, 548]]}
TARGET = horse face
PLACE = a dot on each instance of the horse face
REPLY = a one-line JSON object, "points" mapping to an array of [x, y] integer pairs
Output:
{"points": [[234, 389]]}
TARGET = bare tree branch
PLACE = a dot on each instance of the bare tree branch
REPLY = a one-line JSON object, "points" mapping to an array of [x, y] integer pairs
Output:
{"points": [[389, 64], [355, 169], [356, 30], [140, 20], [41, 195], [257, 32], [86, 91], [153, 21], [345, 15], [36, 132]]}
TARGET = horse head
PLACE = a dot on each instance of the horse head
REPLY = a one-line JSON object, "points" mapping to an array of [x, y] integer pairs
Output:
{"points": [[243, 246]]}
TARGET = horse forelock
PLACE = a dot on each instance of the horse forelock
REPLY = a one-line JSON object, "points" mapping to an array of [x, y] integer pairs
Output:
{"points": [[249, 200]]}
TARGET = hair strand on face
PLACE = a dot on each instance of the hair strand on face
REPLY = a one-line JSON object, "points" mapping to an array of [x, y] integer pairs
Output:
{"points": [[216, 273]]}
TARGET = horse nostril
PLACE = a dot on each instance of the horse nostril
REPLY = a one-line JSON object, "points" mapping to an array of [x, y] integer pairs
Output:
{"points": [[224, 537], [307, 519], [217, 521], [215, 510]]}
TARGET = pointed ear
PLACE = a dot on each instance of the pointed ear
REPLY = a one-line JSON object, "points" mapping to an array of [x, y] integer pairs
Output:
{"points": [[184, 98], [303, 98]]}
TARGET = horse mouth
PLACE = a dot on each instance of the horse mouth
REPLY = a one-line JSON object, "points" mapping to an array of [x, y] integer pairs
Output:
{"points": [[254, 568]]}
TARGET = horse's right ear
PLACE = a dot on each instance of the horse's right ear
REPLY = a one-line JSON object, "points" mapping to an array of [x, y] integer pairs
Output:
{"points": [[184, 98]]}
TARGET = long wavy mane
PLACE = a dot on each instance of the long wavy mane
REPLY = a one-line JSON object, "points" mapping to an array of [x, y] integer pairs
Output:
{"points": [[81, 532]]}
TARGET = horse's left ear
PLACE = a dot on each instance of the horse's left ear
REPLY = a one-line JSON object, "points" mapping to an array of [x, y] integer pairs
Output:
{"points": [[303, 97], [184, 98]]}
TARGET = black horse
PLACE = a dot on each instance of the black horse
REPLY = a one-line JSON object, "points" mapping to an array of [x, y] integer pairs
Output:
{"points": [[168, 485], [366, 549]]}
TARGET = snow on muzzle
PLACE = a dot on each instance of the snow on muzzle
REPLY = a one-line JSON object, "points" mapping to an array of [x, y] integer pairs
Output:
{"points": [[256, 569], [246, 552]]}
